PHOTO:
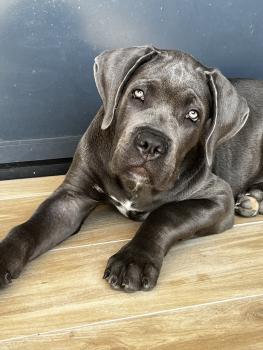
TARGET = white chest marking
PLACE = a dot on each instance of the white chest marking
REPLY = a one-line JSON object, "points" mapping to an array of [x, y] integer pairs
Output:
{"points": [[97, 188], [122, 210], [124, 206]]}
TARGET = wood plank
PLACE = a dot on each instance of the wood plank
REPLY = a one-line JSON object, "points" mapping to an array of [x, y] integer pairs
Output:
{"points": [[64, 288], [99, 227], [43, 186], [103, 225], [227, 325], [39, 186], [239, 220], [29, 193]]}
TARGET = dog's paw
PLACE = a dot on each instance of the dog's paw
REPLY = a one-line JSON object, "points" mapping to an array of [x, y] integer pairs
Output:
{"points": [[5, 275], [11, 264], [250, 204], [132, 269]]}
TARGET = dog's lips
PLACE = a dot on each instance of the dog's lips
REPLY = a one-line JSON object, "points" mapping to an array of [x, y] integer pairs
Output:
{"points": [[138, 172], [135, 178]]}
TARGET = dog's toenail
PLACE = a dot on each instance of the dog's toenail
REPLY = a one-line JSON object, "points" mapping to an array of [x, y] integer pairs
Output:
{"points": [[8, 277], [125, 282], [113, 280], [145, 282], [106, 274]]}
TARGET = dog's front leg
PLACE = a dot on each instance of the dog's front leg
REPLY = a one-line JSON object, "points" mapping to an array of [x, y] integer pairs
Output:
{"points": [[137, 265], [57, 218]]}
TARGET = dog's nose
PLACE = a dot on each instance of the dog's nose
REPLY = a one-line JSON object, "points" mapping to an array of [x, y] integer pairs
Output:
{"points": [[150, 145]]}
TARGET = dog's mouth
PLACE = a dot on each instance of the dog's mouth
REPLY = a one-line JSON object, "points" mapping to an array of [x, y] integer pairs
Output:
{"points": [[138, 172], [135, 178]]}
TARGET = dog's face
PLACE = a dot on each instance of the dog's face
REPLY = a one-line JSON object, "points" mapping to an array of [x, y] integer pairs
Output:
{"points": [[162, 105], [160, 118]]}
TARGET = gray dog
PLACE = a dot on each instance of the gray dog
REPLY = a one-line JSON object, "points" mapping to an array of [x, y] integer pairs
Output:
{"points": [[174, 145]]}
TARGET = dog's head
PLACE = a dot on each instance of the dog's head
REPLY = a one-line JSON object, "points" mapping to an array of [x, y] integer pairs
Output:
{"points": [[163, 105]]}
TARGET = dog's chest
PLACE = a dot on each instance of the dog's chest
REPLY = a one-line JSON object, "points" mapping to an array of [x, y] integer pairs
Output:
{"points": [[125, 206]]}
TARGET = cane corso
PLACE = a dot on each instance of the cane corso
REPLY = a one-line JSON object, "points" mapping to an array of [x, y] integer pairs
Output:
{"points": [[176, 145]]}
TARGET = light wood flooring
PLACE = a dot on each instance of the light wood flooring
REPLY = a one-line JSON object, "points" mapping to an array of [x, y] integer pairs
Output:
{"points": [[209, 295]]}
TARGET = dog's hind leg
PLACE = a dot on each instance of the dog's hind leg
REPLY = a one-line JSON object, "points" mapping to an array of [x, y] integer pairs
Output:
{"points": [[250, 203]]}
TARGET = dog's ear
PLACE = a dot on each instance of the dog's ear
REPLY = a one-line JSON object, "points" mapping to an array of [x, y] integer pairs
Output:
{"points": [[229, 112], [112, 70]]}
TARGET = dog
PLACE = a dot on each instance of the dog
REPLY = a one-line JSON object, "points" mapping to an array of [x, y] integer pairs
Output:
{"points": [[175, 145]]}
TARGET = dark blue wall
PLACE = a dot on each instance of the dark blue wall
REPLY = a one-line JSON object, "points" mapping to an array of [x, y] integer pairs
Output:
{"points": [[47, 48]]}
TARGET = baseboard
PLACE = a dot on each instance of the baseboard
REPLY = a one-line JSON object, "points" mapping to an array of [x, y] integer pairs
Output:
{"points": [[20, 170], [37, 149]]}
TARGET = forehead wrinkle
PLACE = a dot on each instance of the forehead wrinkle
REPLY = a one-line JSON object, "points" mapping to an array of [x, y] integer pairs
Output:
{"points": [[145, 81], [190, 95], [180, 72], [185, 78]]}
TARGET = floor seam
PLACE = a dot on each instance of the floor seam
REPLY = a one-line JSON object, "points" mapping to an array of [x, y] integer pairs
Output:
{"points": [[248, 223], [44, 194], [90, 245], [128, 239]]}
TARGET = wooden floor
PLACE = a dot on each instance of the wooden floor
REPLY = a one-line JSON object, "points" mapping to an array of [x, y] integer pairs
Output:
{"points": [[209, 295]]}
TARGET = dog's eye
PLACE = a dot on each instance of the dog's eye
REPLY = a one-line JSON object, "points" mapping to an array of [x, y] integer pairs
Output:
{"points": [[193, 115], [139, 94]]}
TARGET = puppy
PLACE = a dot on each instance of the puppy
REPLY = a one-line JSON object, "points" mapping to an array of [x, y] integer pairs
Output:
{"points": [[174, 145]]}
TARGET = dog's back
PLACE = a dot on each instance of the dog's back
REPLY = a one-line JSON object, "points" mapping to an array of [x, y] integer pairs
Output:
{"points": [[239, 160]]}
